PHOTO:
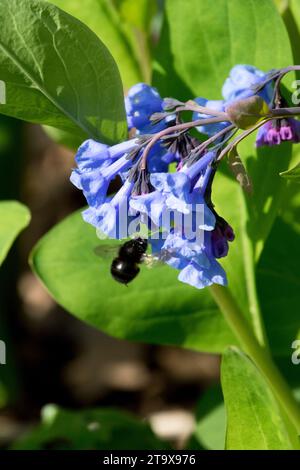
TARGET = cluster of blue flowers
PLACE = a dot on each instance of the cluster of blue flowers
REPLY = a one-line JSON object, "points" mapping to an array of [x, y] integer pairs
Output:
{"points": [[175, 180]]}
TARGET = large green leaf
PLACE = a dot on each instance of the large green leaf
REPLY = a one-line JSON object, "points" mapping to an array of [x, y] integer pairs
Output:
{"points": [[102, 17], [254, 421], [197, 52], [57, 72], [14, 218], [94, 429], [155, 307]]}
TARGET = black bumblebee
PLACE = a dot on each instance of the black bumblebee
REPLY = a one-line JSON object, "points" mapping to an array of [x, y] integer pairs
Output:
{"points": [[124, 268]]}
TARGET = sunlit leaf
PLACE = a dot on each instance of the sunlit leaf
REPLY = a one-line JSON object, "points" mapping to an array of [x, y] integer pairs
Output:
{"points": [[155, 307], [254, 421], [57, 72]]}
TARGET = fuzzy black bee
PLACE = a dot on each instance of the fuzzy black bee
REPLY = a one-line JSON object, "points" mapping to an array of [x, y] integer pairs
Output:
{"points": [[124, 268]]}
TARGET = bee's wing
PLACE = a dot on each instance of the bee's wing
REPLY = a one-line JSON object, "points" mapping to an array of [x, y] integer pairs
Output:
{"points": [[106, 250], [156, 261]]}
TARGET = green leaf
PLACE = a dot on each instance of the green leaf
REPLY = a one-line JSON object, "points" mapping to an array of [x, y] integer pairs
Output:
{"points": [[155, 308], [57, 72], [14, 218], [292, 174], [104, 19], [93, 429], [254, 421], [197, 51]]}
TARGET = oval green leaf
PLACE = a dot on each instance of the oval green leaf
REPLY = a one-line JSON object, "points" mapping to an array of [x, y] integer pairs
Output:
{"points": [[103, 18], [55, 71], [154, 308]]}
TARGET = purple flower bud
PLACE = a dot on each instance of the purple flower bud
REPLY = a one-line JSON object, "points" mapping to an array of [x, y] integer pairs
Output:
{"points": [[286, 133], [219, 243], [229, 233], [277, 131]]}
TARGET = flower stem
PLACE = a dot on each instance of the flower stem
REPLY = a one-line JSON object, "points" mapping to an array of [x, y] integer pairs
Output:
{"points": [[177, 128], [254, 307], [285, 112], [241, 328]]}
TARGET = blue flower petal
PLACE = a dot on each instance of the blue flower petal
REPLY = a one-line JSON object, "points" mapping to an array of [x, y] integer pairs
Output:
{"points": [[151, 204], [141, 102], [199, 277], [92, 155], [94, 188], [241, 79], [176, 183]]}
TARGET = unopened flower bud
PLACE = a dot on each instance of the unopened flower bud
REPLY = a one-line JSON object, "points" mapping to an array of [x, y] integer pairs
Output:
{"points": [[247, 112]]}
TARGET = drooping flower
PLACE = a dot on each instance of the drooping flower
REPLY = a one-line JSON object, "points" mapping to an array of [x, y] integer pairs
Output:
{"points": [[241, 82], [98, 165], [196, 262], [277, 131], [113, 217], [220, 236], [151, 204], [194, 251], [179, 250], [182, 191], [141, 102], [198, 276]]}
